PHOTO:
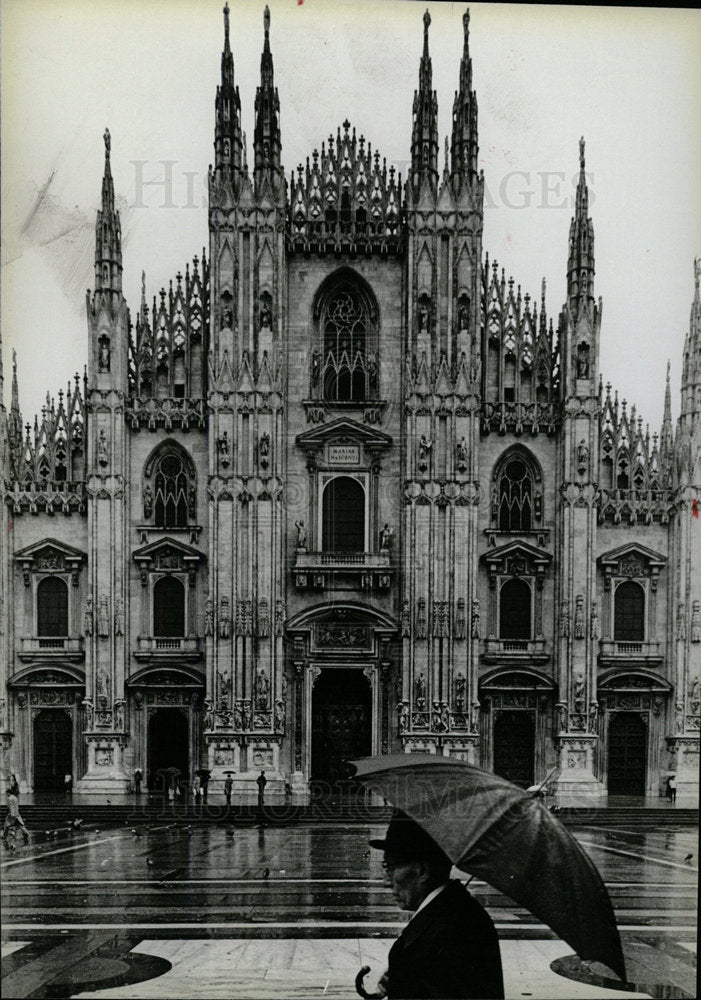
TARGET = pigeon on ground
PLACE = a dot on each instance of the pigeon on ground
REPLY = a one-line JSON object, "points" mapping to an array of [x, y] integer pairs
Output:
{"points": [[266, 872], [689, 858], [149, 863], [77, 823]]}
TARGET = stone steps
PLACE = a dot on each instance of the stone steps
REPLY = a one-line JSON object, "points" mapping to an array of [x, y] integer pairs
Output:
{"points": [[40, 817]]}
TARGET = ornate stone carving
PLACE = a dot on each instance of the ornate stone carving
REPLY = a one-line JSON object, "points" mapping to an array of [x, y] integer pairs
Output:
{"points": [[102, 448], [564, 619], [224, 618], [88, 617], [681, 620], [208, 617], [593, 716], [421, 620], [103, 617], [223, 450], [460, 686], [263, 618], [595, 621], [262, 690], [301, 535], [280, 615], [578, 692], [420, 691], [405, 620], [440, 619], [695, 622], [403, 716], [579, 617], [475, 626], [460, 618], [119, 617]]}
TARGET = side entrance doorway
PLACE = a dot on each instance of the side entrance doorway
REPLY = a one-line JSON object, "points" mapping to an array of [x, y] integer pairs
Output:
{"points": [[53, 749], [168, 745], [627, 753], [341, 722], [514, 746]]}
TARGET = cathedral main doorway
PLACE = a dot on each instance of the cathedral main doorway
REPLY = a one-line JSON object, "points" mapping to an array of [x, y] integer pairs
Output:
{"points": [[627, 753], [168, 745], [514, 747], [53, 749], [341, 723]]}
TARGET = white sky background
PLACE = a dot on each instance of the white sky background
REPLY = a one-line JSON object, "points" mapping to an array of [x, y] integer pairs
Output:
{"points": [[629, 80]]}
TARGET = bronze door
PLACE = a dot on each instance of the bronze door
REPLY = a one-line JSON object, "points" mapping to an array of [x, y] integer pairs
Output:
{"points": [[168, 746], [627, 752], [53, 749], [514, 747], [341, 723]]}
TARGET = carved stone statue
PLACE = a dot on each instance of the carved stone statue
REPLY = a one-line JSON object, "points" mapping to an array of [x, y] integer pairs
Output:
{"points": [[582, 456], [475, 716], [88, 617], [696, 621], [681, 621], [264, 446], [280, 716], [208, 617], [103, 618], [420, 691], [579, 617], [425, 445], [461, 454], [119, 617], [262, 690], [148, 501], [406, 619], [102, 454], [595, 622], [403, 715], [316, 366], [266, 317], [694, 689], [301, 535], [460, 684], [593, 716], [562, 717], [564, 619], [578, 692], [475, 629], [224, 619], [223, 448], [104, 356], [386, 537]]}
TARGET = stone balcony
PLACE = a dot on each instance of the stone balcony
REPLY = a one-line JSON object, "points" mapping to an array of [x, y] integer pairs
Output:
{"points": [[343, 570], [515, 651], [49, 647], [155, 648], [629, 653]]}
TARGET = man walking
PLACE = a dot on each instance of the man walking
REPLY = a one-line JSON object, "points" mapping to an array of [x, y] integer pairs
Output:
{"points": [[261, 781], [13, 818], [228, 787], [138, 778], [449, 949]]}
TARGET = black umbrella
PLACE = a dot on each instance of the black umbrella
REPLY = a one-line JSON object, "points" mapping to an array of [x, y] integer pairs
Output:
{"points": [[503, 834]]}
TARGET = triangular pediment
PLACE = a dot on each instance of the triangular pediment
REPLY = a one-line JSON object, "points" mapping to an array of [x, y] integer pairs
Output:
{"points": [[632, 551], [343, 431], [517, 550], [48, 546], [168, 547]]}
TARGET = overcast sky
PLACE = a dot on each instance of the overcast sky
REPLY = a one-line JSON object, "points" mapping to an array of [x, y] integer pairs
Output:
{"points": [[628, 80]]}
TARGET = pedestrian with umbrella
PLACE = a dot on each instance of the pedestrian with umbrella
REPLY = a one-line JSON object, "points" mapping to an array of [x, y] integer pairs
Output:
{"points": [[204, 775], [450, 947], [495, 831], [228, 787]]}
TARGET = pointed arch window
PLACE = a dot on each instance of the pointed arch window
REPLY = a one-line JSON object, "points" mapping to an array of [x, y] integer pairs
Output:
{"points": [[171, 490], [515, 496], [52, 607], [344, 363]]}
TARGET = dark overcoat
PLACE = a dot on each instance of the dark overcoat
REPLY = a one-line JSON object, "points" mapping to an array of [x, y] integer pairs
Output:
{"points": [[448, 951]]}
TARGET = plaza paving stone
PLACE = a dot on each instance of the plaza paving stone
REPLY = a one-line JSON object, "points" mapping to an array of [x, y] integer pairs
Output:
{"points": [[279, 912]]}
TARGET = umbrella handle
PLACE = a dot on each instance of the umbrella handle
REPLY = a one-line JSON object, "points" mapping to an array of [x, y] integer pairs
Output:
{"points": [[360, 989]]}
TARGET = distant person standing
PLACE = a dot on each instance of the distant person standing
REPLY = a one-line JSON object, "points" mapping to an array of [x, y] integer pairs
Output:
{"points": [[261, 781], [13, 785], [204, 783], [13, 818], [672, 788], [197, 787], [68, 784], [138, 778], [228, 788]]}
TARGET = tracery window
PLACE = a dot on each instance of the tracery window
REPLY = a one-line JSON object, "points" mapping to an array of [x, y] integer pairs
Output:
{"points": [[629, 613], [52, 607], [515, 610], [345, 345], [515, 497], [170, 492], [168, 607]]}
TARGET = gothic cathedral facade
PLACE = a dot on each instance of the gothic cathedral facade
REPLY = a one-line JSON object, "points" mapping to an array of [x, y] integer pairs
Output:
{"points": [[342, 489]]}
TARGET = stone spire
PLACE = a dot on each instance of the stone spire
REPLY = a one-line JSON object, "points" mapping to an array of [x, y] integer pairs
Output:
{"points": [[464, 146], [108, 233], [227, 130], [580, 266], [424, 136], [266, 138], [691, 368]]}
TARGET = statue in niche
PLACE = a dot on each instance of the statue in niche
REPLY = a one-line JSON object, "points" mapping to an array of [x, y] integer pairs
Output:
{"points": [[425, 445], [103, 364], [316, 366], [463, 314], [208, 714], [475, 716], [262, 690], [578, 692], [227, 319], [386, 537], [579, 617], [238, 716], [475, 628], [696, 622], [460, 684], [679, 717], [224, 689], [102, 455], [595, 621], [583, 361], [420, 691], [88, 617], [461, 454], [406, 619], [564, 619], [562, 717], [266, 316], [681, 621], [208, 617], [403, 716], [424, 308], [280, 716], [593, 716], [223, 448], [148, 501], [119, 617], [103, 618], [582, 456], [264, 449], [301, 535], [437, 718]]}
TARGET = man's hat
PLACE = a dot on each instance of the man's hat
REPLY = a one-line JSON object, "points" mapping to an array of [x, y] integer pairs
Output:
{"points": [[407, 840]]}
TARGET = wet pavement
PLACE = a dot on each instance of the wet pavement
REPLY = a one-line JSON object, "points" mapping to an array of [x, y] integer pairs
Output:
{"points": [[219, 911]]}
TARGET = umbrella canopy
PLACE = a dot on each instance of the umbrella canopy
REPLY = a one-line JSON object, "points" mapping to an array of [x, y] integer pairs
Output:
{"points": [[203, 772], [504, 835]]}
